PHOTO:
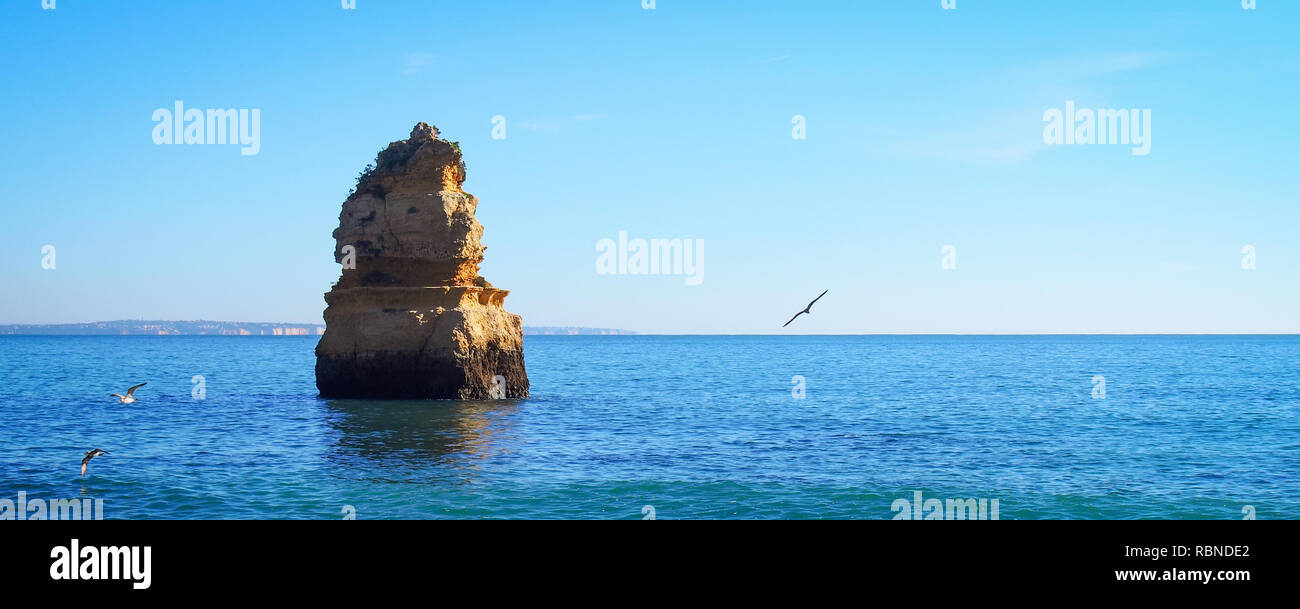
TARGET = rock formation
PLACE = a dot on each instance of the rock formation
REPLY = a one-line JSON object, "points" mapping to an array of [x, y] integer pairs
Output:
{"points": [[411, 318]]}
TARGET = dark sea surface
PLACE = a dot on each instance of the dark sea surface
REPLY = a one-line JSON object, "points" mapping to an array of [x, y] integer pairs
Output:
{"points": [[690, 426]]}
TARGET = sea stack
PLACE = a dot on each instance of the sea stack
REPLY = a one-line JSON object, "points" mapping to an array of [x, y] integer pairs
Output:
{"points": [[411, 318]]}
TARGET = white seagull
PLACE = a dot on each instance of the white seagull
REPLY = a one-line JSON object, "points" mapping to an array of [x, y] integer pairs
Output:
{"points": [[129, 397]]}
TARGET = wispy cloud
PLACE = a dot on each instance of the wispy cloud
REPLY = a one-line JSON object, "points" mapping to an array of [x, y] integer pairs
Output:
{"points": [[1100, 64], [992, 140], [1016, 136], [968, 149], [414, 63], [557, 124]]}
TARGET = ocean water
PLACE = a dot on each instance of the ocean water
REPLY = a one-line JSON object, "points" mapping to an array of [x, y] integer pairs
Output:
{"points": [[622, 427]]}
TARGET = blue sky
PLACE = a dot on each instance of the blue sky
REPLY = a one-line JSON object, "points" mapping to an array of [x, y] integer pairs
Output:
{"points": [[924, 129]]}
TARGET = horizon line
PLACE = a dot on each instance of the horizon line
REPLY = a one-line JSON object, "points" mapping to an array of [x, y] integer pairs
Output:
{"points": [[635, 333], [626, 332]]}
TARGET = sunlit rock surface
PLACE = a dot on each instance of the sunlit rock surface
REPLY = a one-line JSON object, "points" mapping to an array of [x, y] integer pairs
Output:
{"points": [[413, 319]]}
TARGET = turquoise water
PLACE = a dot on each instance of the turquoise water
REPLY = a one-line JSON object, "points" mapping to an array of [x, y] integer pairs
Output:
{"points": [[695, 427]]}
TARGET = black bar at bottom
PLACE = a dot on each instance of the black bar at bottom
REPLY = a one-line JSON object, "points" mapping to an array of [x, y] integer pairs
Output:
{"points": [[240, 558]]}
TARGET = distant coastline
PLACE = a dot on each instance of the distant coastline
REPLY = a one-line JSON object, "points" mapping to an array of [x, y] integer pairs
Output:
{"points": [[165, 328], [230, 328], [573, 331]]}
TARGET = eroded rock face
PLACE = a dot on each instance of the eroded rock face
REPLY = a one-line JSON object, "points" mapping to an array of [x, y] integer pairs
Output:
{"points": [[413, 319]]}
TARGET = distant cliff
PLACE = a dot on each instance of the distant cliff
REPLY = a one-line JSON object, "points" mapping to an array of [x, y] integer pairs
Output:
{"points": [[166, 328], [572, 331]]}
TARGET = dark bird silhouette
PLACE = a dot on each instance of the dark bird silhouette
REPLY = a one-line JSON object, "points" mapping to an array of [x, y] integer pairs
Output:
{"points": [[807, 309], [90, 454], [130, 394]]}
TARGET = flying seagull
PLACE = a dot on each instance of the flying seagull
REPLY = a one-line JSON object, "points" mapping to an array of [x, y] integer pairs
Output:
{"points": [[129, 397], [91, 454], [807, 309]]}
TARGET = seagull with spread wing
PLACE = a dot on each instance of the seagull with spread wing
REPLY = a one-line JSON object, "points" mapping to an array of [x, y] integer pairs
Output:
{"points": [[90, 454], [807, 309], [130, 394]]}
